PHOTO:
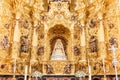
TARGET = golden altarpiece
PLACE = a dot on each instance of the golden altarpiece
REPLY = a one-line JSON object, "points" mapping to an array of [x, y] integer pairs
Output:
{"points": [[59, 37]]}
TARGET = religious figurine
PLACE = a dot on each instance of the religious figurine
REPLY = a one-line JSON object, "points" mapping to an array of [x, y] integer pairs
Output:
{"points": [[40, 50], [59, 6], [76, 51], [24, 44], [67, 69], [93, 44], [58, 51], [26, 24], [7, 26], [5, 44], [111, 25], [113, 41], [92, 23], [41, 36], [44, 18], [49, 69], [73, 18]]}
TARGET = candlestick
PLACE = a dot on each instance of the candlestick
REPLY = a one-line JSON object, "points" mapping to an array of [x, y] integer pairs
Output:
{"points": [[89, 67], [14, 70], [26, 69], [30, 70], [104, 67], [115, 62]]}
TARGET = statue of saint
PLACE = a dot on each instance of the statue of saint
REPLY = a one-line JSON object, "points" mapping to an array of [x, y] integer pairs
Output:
{"points": [[58, 51]]}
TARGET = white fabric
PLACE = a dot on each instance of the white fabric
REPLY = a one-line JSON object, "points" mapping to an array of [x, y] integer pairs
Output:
{"points": [[58, 51]]}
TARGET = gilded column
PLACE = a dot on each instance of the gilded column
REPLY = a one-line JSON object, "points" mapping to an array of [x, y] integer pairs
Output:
{"points": [[16, 38], [101, 41], [83, 42], [118, 19], [46, 55], [72, 57], [34, 43]]}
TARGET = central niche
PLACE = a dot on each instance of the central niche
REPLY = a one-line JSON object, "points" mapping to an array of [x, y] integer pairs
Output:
{"points": [[59, 36], [58, 52]]}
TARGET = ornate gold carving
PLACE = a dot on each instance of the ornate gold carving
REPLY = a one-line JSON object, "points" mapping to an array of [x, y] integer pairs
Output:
{"points": [[50, 20]]}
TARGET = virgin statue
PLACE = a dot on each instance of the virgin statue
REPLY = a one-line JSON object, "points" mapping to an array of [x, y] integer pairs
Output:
{"points": [[58, 51]]}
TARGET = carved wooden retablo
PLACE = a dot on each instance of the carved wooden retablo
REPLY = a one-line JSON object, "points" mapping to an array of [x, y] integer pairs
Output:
{"points": [[58, 37]]}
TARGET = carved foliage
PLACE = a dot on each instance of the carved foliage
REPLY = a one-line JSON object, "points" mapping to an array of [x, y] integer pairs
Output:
{"points": [[93, 44], [5, 44]]}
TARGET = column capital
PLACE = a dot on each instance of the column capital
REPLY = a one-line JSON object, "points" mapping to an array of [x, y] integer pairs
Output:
{"points": [[100, 15], [18, 15]]}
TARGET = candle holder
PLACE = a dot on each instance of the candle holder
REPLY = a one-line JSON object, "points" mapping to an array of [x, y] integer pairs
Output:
{"points": [[36, 74], [115, 62], [80, 74]]}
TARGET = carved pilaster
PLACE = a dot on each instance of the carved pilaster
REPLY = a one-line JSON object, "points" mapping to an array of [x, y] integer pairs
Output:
{"points": [[83, 41], [101, 47], [34, 45], [45, 57], [16, 38], [72, 43]]}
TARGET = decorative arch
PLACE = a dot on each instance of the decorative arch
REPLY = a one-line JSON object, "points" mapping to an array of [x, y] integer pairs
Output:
{"points": [[58, 32]]}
